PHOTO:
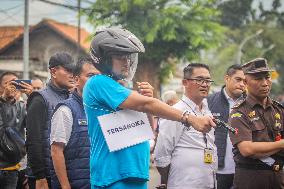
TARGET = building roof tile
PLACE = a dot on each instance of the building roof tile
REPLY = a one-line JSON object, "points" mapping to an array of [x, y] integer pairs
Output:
{"points": [[9, 34]]}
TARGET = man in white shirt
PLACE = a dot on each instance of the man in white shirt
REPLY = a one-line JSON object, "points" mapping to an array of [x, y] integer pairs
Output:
{"points": [[220, 104], [185, 157]]}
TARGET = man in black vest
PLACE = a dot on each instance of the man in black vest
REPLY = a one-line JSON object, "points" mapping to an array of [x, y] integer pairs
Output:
{"points": [[70, 146], [40, 107], [220, 104]]}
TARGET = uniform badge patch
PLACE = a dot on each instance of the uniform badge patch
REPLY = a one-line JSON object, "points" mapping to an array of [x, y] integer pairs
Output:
{"points": [[277, 116], [277, 125], [236, 115], [251, 114], [82, 122]]}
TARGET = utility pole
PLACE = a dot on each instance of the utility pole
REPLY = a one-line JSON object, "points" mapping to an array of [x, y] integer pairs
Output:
{"points": [[79, 28], [26, 42]]}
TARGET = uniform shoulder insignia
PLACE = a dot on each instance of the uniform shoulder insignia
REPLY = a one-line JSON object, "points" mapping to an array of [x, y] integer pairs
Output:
{"points": [[277, 103], [237, 114], [239, 103]]}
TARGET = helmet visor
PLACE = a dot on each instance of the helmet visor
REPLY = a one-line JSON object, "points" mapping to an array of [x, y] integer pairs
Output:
{"points": [[124, 66]]}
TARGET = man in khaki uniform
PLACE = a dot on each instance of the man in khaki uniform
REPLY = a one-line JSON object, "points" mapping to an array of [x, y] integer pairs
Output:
{"points": [[259, 144]]}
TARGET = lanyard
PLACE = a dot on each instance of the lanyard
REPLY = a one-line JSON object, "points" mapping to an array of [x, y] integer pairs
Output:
{"points": [[204, 134]]}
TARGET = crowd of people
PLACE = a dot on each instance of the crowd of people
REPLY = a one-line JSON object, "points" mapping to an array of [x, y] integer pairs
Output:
{"points": [[64, 125]]}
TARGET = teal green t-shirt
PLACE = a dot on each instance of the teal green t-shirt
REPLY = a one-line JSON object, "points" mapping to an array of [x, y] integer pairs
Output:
{"points": [[103, 95]]}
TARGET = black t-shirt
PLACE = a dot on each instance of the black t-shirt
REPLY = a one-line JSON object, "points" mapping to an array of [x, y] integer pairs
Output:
{"points": [[36, 122]]}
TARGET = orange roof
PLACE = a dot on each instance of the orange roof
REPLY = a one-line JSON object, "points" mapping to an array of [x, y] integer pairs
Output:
{"points": [[70, 32], [8, 34]]}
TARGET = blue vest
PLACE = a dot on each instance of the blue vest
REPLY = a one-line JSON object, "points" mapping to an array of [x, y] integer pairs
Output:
{"points": [[77, 150], [218, 104], [52, 96]]}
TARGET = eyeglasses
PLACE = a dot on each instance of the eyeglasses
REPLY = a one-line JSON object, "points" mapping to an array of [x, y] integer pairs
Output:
{"points": [[201, 81], [122, 57]]}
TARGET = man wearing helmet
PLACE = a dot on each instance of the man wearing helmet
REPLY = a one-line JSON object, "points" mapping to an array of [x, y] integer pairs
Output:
{"points": [[115, 54]]}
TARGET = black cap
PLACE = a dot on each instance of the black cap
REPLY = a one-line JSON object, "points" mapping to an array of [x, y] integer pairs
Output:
{"points": [[256, 66], [62, 59]]}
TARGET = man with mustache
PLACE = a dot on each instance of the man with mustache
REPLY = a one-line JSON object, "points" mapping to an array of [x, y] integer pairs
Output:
{"points": [[185, 157], [220, 104], [258, 146]]}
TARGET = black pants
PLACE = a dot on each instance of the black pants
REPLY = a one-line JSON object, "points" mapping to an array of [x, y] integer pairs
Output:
{"points": [[22, 179], [224, 181], [258, 179], [32, 182], [8, 179]]}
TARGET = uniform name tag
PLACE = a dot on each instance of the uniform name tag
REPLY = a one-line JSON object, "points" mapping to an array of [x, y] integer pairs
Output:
{"points": [[214, 114], [208, 155], [82, 122], [125, 128]]}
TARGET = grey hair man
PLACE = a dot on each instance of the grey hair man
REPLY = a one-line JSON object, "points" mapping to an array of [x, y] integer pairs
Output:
{"points": [[170, 97]]}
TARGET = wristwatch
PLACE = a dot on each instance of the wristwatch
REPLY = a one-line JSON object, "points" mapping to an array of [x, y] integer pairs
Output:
{"points": [[162, 186], [184, 118]]}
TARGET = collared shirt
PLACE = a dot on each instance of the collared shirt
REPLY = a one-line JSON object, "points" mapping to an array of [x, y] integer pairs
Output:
{"points": [[183, 148], [255, 123], [229, 167], [61, 125]]}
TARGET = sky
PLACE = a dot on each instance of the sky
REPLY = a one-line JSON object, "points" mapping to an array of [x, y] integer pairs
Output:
{"points": [[12, 12]]}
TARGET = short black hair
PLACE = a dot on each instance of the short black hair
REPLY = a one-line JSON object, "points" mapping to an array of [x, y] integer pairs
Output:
{"points": [[7, 73], [79, 64], [187, 71], [63, 59], [231, 70]]}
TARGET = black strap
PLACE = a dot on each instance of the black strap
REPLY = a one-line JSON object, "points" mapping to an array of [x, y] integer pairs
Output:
{"points": [[3, 117], [253, 166]]}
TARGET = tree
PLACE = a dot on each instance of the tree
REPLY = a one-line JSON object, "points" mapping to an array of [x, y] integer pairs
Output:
{"points": [[168, 29], [268, 44], [236, 13]]}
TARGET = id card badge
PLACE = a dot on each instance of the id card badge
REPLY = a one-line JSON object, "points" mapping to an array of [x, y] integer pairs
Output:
{"points": [[208, 155]]}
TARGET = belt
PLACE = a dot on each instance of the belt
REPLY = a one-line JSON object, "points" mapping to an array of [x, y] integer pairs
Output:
{"points": [[13, 168], [275, 167]]}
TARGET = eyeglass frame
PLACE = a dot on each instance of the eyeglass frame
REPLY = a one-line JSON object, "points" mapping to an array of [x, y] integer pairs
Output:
{"points": [[121, 57], [201, 81]]}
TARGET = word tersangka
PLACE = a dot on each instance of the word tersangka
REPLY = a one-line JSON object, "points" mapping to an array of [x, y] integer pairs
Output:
{"points": [[125, 127]]}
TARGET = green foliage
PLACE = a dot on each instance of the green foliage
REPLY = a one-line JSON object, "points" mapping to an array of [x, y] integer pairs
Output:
{"points": [[167, 28], [224, 58], [269, 44], [167, 68], [235, 13]]}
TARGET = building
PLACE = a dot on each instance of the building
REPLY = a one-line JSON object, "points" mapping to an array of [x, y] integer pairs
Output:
{"points": [[45, 39]]}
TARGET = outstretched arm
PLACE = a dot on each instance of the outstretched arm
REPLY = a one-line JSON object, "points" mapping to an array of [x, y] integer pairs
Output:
{"points": [[138, 102]]}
